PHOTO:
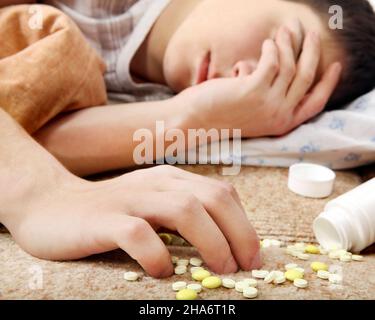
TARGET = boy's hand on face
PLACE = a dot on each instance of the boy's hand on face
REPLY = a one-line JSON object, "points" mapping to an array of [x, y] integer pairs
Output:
{"points": [[76, 220], [276, 98]]}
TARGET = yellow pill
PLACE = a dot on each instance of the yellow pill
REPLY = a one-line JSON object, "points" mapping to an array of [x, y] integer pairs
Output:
{"points": [[316, 266], [312, 249], [166, 238], [186, 294], [211, 283], [200, 275], [293, 274]]}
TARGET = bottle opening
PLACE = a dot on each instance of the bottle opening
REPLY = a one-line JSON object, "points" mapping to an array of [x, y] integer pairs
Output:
{"points": [[326, 233]]}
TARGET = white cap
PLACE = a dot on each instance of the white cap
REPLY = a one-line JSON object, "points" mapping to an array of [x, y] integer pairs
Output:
{"points": [[311, 180]]}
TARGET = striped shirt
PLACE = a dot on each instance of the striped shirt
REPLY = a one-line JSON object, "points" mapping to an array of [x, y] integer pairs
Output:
{"points": [[116, 29]]}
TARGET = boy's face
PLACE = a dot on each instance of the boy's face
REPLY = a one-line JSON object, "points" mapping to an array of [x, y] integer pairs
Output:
{"points": [[222, 38]]}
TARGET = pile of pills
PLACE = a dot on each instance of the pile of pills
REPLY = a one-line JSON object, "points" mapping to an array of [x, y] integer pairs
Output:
{"points": [[248, 287]]}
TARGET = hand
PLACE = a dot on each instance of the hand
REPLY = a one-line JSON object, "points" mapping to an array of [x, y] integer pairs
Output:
{"points": [[276, 98], [77, 219]]}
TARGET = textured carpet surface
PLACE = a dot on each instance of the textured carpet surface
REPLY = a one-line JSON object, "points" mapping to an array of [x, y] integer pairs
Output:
{"points": [[275, 212]]}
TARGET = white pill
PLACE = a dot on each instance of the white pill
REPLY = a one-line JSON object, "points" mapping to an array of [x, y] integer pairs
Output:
{"points": [[323, 274], [300, 245], [250, 282], [279, 280], [250, 292], [270, 277], [195, 286], [300, 283], [179, 285], [290, 266], [266, 243], [299, 269], [335, 278], [131, 276], [183, 262], [303, 256], [180, 270], [345, 257], [334, 254], [174, 259], [228, 283], [240, 286], [356, 257], [196, 262], [195, 269], [259, 274], [276, 243], [323, 250]]}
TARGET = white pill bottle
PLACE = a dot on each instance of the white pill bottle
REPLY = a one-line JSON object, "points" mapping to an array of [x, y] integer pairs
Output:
{"points": [[349, 220]]}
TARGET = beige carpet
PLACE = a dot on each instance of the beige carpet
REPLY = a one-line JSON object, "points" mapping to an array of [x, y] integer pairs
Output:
{"points": [[274, 211]]}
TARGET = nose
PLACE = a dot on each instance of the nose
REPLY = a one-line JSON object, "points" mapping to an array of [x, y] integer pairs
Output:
{"points": [[243, 68]]}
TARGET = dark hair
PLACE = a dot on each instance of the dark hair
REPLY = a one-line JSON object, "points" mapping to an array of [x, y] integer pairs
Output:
{"points": [[357, 38]]}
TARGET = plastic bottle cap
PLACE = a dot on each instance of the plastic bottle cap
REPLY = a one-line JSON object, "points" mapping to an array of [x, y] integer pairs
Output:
{"points": [[311, 180]]}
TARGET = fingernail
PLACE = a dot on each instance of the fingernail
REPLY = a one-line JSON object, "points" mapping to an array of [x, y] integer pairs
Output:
{"points": [[256, 263], [231, 266]]}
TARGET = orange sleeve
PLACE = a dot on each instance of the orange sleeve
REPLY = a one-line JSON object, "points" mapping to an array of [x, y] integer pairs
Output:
{"points": [[45, 71]]}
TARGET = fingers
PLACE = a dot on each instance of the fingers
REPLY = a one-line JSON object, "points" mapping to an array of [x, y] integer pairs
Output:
{"points": [[184, 213], [287, 62], [306, 70], [268, 66], [230, 217], [315, 102], [136, 237]]}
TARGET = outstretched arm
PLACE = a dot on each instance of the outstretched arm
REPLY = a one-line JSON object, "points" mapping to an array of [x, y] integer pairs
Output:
{"points": [[55, 215]]}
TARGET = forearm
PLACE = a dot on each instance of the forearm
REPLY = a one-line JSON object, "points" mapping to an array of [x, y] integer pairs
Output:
{"points": [[26, 169], [100, 139]]}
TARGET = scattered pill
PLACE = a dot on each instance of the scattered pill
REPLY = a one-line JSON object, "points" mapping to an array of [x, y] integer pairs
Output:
{"points": [[211, 282], [303, 256], [293, 274], [229, 283], [182, 262], [334, 255], [240, 286], [186, 294], [194, 269], [356, 257], [270, 277], [131, 276], [260, 274], [250, 292], [166, 238], [180, 270], [316, 266], [323, 274], [291, 266], [312, 249], [300, 283], [299, 269], [276, 243], [300, 245], [279, 279], [174, 259], [335, 278], [196, 262], [266, 243], [179, 285], [345, 258], [200, 275], [250, 282], [195, 286]]}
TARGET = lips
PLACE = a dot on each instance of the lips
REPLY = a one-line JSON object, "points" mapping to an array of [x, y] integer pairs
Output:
{"points": [[204, 69]]}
